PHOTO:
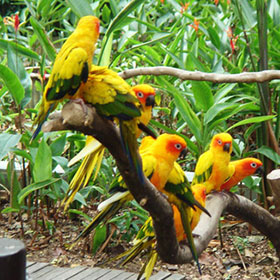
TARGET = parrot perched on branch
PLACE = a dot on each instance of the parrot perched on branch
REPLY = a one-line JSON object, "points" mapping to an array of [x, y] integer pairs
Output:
{"points": [[242, 168], [70, 69], [212, 168], [94, 150], [146, 239], [114, 99], [158, 161]]}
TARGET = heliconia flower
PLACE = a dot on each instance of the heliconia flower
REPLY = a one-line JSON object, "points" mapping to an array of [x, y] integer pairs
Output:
{"points": [[13, 21], [16, 22], [232, 39], [184, 7], [195, 25]]}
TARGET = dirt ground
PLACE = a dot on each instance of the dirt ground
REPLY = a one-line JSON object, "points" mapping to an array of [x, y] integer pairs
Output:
{"points": [[246, 254]]}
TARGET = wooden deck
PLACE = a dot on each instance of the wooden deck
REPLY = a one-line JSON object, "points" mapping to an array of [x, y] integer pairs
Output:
{"points": [[46, 271]]}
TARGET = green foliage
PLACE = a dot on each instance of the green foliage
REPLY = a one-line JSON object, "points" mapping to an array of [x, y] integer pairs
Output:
{"points": [[205, 37]]}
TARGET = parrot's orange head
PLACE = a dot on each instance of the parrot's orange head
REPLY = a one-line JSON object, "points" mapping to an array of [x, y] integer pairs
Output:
{"points": [[223, 142], [174, 144], [90, 21], [145, 94], [252, 166]]}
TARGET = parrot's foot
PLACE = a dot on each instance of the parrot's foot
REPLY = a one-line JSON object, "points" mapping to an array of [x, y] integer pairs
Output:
{"points": [[85, 109]]}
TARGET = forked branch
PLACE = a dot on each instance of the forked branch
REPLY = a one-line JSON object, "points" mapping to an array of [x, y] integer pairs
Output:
{"points": [[72, 117]]}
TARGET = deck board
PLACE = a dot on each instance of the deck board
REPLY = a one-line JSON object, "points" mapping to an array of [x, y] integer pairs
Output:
{"points": [[45, 271], [35, 267], [83, 274], [161, 275]]}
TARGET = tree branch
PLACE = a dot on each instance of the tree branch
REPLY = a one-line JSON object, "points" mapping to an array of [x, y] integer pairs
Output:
{"points": [[245, 77], [72, 117]]}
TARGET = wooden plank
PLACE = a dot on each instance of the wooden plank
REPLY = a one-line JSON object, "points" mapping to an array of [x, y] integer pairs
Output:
{"points": [[29, 264], [161, 275], [176, 276], [112, 274], [98, 274], [125, 275], [70, 272], [133, 277], [55, 272], [35, 267], [82, 275], [39, 273]]}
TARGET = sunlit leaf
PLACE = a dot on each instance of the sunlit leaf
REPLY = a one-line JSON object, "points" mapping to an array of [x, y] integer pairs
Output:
{"points": [[5, 44], [43, 38], [269, 153], [35, 186], [42, 169], [7, 142], [203, 95], [252, 120], [12, 82], [81, 7]]}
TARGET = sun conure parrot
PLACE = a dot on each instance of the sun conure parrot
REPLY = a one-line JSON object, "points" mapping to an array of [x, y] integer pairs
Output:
{"points": [[145, 240], [179, 193], [157, 161], [212, 168], [242, 168], [93, 151], [70, 69], [113, 98]]}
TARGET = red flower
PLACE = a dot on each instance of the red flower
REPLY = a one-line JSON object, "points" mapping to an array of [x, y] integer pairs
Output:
{"points": [[195, 25], [232, 39], [216, 2], [13, 21], [16, 22], [162, 1]]}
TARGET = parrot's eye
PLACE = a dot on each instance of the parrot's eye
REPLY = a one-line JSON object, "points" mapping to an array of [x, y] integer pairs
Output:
{"points": [[220, 142], [178, 146], [140, 94], [253, 164]]}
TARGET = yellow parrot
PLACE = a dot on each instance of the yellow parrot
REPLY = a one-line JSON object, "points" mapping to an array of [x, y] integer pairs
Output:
{"points": [[94, 150], [158, 162], [71, 68], [146, 239], [113, 98], [212, 168], [242, 168]]}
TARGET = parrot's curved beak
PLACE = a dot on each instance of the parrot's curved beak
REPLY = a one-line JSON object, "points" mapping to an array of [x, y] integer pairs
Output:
{"points": [[227, 147], [259, 170], [183, 154], [150, 101]]}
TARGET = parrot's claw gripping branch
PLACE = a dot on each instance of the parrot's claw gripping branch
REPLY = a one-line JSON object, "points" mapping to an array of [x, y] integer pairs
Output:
{"points": [[72, 118]]}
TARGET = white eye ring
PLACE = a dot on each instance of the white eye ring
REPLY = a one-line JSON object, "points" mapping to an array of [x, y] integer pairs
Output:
{"points": [[253, 164], [140, 94], [178, 146], [220, 142]]}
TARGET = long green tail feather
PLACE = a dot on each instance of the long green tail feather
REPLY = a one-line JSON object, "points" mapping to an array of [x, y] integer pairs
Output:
{"points": [[102, 217], [188, 231], [130, 146]]}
